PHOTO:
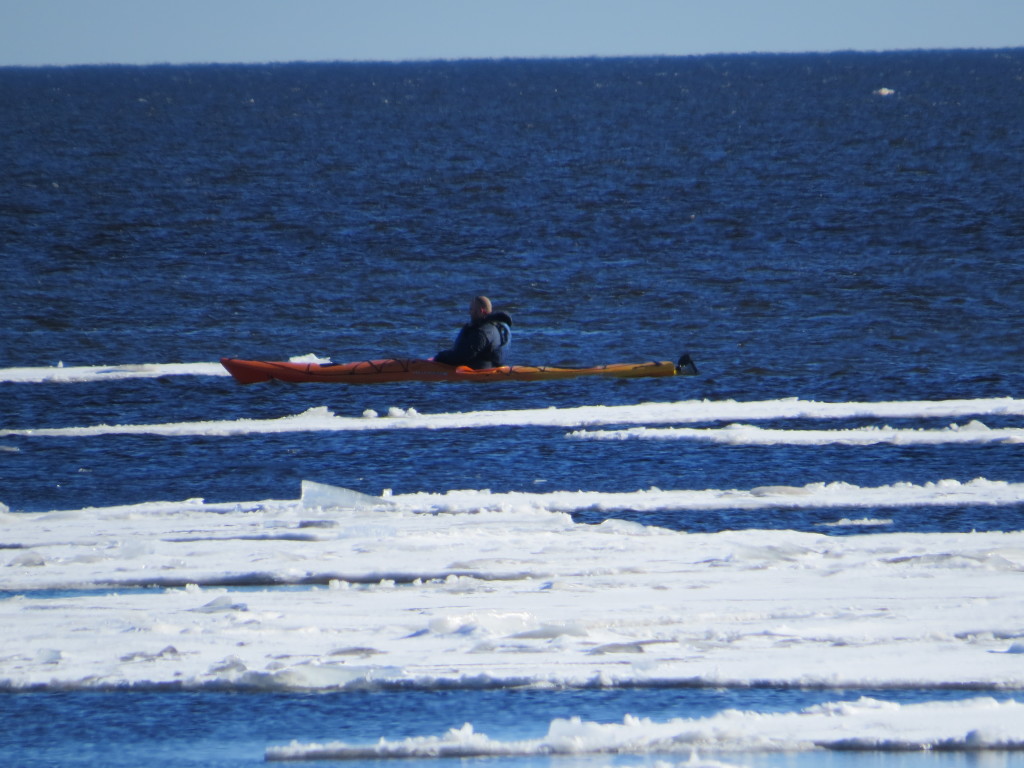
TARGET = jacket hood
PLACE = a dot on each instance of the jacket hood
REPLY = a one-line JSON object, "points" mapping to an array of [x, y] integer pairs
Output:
{"points": [[498, 317]]}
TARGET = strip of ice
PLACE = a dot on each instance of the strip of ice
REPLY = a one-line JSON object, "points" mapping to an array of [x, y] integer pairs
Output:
{"points": [[322, 419], [89, 373], [78, 374], [813, 495], [982, 723], [747, 434], [472, 589], [833, 495]]}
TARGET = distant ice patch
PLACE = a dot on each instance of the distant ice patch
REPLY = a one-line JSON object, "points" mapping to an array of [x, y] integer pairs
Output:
{"points": [[866, 522]]}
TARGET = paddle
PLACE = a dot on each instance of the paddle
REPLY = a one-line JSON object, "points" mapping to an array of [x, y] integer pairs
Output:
{"points": [[686, 366]]}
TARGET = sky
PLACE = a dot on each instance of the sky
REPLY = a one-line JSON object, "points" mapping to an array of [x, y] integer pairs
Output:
{"points": [[69, 32]]}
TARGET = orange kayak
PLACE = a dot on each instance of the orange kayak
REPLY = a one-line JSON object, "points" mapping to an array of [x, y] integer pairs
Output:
{"points": [[397, 369]]}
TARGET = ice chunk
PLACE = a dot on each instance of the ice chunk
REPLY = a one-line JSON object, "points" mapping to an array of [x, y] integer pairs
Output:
{"points": [[28, 559], [321, 495], [222, 603]]}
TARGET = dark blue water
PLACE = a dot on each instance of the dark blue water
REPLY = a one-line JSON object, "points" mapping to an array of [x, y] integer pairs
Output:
{"points": [[799, 233]]}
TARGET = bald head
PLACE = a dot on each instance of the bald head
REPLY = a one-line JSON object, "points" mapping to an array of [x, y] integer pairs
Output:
{"points": [[480, 307]]}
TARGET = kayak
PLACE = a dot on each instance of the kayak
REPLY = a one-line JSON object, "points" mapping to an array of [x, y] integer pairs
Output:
{"points": [[402, 369]]}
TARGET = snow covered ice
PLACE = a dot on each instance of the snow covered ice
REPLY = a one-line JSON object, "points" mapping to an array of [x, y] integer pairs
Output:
{"points": [[338, 590], [471, 588]]}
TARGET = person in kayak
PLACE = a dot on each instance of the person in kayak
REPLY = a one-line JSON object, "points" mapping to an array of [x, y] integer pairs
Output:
{"points": [[484, 341]]}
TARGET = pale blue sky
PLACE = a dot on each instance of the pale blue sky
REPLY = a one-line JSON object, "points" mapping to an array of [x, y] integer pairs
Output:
{"points": [[35, 32]]}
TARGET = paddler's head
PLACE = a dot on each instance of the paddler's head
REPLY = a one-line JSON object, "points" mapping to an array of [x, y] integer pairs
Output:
{"points": [[479, 308]]}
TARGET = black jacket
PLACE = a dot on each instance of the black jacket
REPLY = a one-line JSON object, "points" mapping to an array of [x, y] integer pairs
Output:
{"points": [[481, 344]]}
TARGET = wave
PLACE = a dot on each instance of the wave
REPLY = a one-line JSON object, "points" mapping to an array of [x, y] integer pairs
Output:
{"points": [[322, 419], [972, 725]]}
